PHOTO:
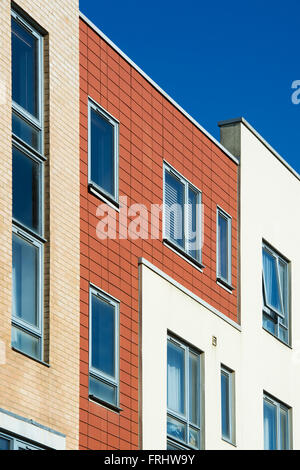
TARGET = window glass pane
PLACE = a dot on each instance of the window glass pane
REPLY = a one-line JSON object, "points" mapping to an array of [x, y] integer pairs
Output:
{"points": [[103, 336], [102, 153], [192, 235], [25, 342], [284, 433], [270, 426], [272, 291], [26, 191], [283, 277], [102, 390], [24, 68], [223, 246], [194, 389], [176, 378], [29, 134], [172, 446], [225, 393], [4, 443], [174, 213], [25, 257], [269, 324], [176, 429], [194, 438]]}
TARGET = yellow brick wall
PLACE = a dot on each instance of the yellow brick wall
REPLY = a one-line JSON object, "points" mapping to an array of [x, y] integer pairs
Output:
{"points": [[49, 396]]}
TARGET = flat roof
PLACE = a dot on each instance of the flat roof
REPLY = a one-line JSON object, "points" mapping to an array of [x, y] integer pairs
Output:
{"points": [[262, 140], [157, 87]]}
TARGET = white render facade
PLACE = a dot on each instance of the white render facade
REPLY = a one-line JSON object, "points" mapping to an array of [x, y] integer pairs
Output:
{"points": [[262, 365]]}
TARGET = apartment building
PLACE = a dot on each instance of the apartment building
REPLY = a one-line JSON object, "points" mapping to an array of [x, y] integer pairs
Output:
{"points": [[138, 150], [148, 271], [39, 228]]}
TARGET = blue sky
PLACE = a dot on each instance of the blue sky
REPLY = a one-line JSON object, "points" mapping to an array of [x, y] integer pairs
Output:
{"points": [[218, 60]]}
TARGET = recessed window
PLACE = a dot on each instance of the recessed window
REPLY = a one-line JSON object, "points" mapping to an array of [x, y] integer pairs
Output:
{"points": [[104, 348], [275, 293], [276, 425], [227, 405], [27, 82], [27, 294], [182, 214], [183, 396], [223, 247], [28, 188], [103, 152]]}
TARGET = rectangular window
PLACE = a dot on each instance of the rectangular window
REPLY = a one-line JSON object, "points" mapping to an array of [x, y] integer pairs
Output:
{"points": [[223, 248], [276, 425], [227, 405], [27, 82], [104, 348], [275, 293], [12, 443], [103, 152], [182, 215], [183, 396], [27, 188]]}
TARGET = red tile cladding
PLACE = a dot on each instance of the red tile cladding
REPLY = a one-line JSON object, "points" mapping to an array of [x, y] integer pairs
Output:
{"points": [[151, 129]]}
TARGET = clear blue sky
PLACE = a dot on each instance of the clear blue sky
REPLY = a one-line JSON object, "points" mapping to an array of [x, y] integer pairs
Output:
{"points": [[217, 59]]}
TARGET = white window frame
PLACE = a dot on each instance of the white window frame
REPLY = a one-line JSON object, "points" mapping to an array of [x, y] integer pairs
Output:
{"points": [[184, 419], [95, 373], [98, 190], [36, 123], [270, 311], [226, 281], [231, 394], [279, 405], [187, 184]]}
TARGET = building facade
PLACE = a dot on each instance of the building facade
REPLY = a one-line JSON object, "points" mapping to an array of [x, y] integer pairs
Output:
{"points": [[148, 271]]}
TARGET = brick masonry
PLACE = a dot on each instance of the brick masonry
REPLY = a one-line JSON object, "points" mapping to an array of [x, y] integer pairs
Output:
{"points": [[49, 396], [151, 129]]}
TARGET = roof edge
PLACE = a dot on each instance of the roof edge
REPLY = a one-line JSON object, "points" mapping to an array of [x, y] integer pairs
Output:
{"points": [[242, 120], [157, 87]]}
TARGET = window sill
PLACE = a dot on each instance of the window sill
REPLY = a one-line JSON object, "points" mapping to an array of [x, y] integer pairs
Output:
{"points": [[31, 357], [229, 442], [228, 287], [278, 339], [196, 264], [107, 405], [96, 191]]}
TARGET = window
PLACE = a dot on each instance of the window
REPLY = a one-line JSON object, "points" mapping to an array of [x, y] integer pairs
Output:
{"points": [[28, 188], [276, 425], [104, 348], [227, 405], [275, 294], [223, 248], [103, 152], [182, 215], [27, 82], [12, 443], [183, 396]]}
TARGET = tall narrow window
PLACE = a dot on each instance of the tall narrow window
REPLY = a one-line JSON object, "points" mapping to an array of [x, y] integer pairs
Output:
{"points": [[104, 348], [276, 425], [275, 293], [227, 405], [182, 215], [183, 400], [103, 152], [223, 248], [28, 188]]}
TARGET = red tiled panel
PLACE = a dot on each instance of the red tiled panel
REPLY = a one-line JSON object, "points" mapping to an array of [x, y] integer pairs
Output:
{"points": [[151, 129]]}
